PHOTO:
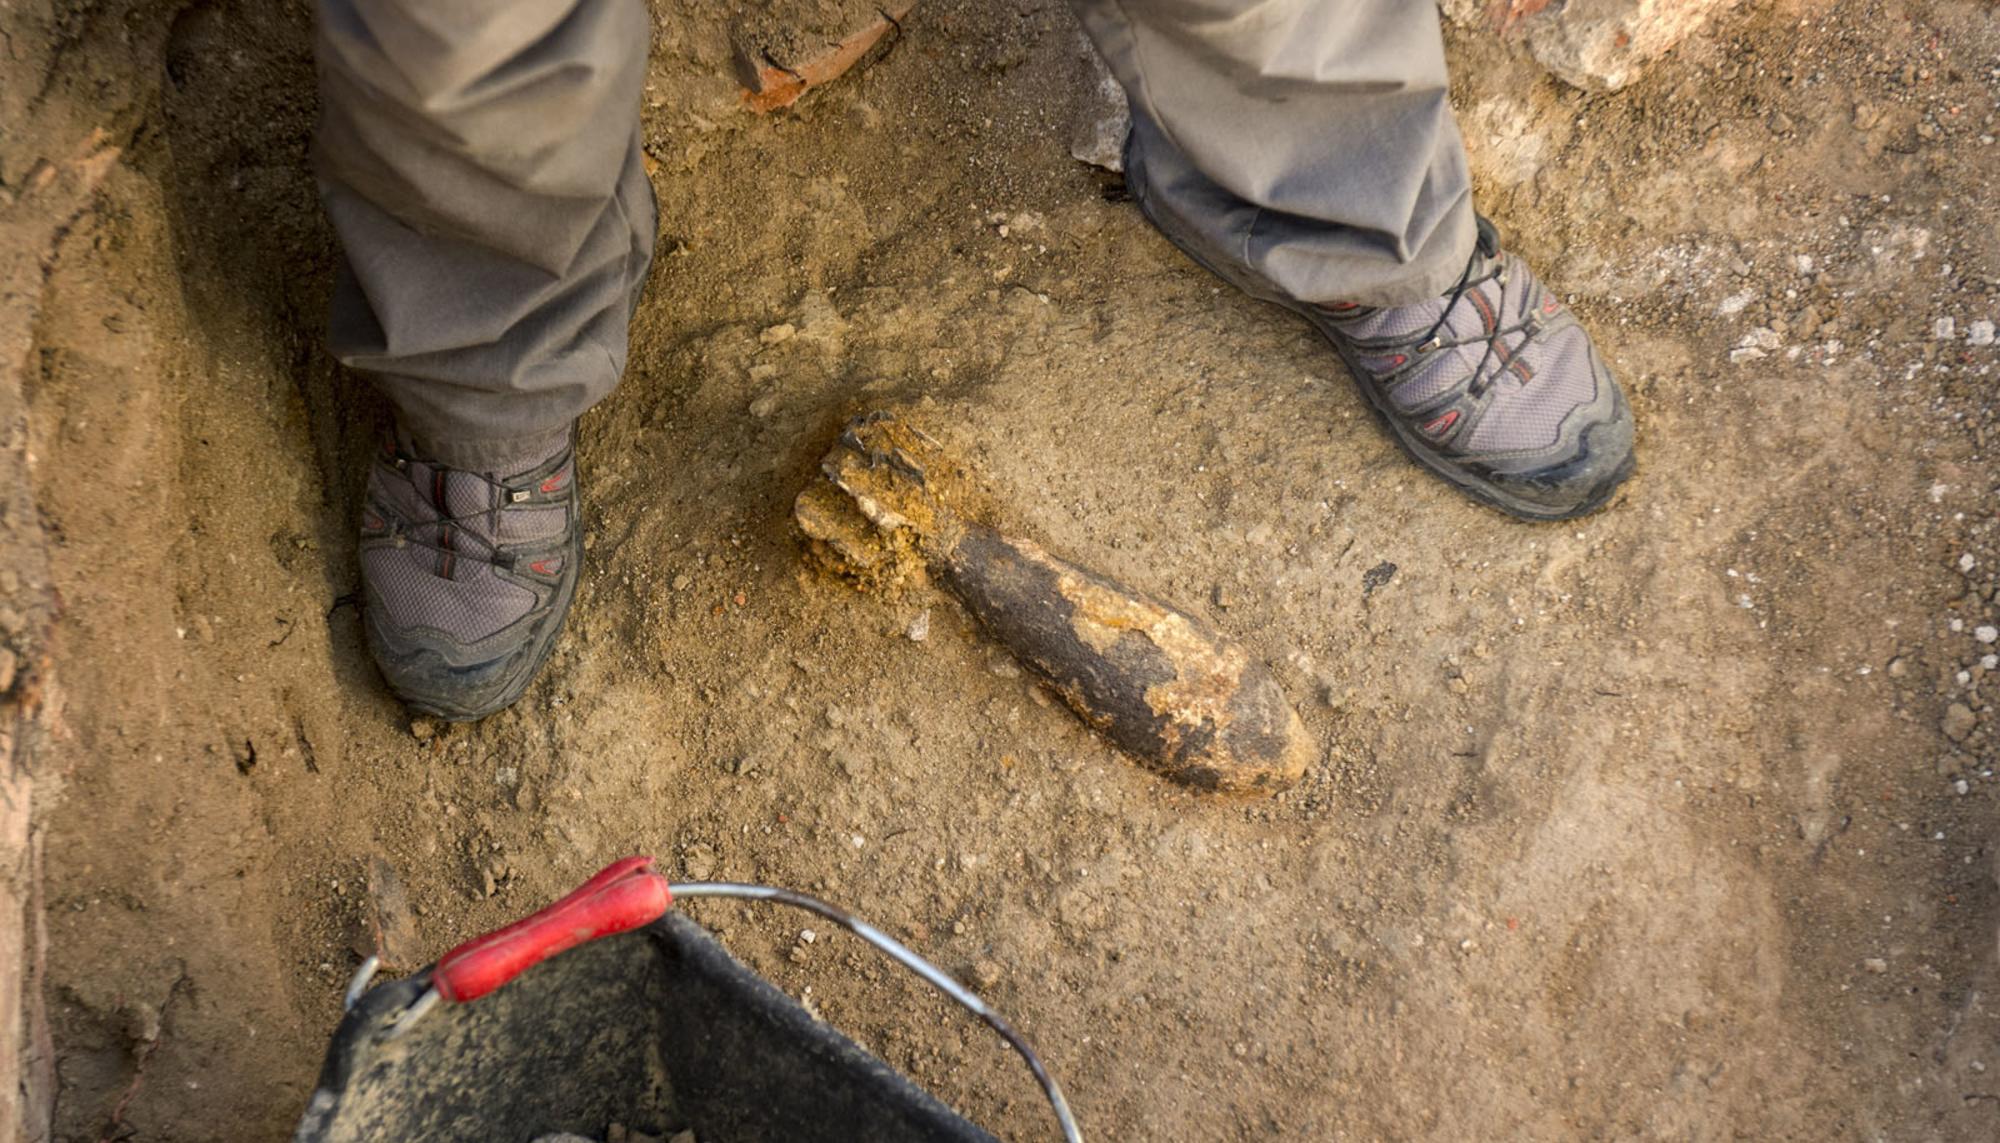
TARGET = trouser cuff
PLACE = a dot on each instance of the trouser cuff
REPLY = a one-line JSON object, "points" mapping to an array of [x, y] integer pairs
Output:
{"points": [[503, 457]]}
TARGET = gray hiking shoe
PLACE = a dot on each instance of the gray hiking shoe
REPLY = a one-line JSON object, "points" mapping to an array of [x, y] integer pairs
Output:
{"points": [[467, 577], [1493, 386]]}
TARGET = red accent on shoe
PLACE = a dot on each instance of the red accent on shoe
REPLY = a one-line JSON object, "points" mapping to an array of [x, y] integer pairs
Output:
{"points": [[1442, 425], [1550, 306], [554, 482], [370, 522], [541, 567]]}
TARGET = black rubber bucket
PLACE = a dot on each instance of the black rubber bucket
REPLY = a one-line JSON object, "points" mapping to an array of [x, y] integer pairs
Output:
{"points": [[656, 1028]]}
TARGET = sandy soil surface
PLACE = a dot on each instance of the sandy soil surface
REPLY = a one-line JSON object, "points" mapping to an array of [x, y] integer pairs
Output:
{"points": [[1676, 822]]}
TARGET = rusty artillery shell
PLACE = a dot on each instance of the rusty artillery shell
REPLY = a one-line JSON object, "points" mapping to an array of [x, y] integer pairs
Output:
{"points": [[1159, 683]]}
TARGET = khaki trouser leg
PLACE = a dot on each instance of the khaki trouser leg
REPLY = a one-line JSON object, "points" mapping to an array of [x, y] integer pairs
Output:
{"points": [[480, 160], [1301, 148]]}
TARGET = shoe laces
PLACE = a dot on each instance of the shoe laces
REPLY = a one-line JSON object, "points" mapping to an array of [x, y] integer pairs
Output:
{"points": [[1485, 251], [447, 524]]}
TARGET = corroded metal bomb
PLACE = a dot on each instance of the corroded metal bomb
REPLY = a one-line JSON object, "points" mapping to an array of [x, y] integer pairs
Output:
{"points": [[1168, 689]]}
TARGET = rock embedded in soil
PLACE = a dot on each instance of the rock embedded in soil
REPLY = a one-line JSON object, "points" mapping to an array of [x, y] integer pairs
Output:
{"points": [[1597, 45], [1098, 135], [391, 923], [1958, 721], [895, 509]]}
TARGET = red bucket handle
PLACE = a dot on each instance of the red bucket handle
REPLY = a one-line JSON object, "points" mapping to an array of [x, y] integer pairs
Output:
{"points": [[623, 897]]}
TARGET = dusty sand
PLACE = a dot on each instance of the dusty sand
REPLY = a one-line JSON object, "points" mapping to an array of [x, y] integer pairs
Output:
{"points": [[1645, 826]]}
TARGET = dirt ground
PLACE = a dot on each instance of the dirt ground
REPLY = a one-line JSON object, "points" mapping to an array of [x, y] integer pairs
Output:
{"points": [[1676, 822]]}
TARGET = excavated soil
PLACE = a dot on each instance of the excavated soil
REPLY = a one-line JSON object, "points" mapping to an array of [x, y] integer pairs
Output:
{"points": [[1676, 822]]}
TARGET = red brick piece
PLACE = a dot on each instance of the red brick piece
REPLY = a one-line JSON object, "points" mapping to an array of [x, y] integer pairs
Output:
{"points": [[769, 86]]}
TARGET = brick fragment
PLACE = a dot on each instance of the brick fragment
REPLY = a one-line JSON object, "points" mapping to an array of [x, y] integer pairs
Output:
{"points": [[770, 84]]}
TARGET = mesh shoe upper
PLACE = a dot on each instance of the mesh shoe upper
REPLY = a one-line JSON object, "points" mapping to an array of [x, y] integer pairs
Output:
{"points": [[1503, 336], [467, 575]]}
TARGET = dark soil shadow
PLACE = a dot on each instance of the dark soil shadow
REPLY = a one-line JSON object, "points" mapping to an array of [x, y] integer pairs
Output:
{"points": [[256, 254]]}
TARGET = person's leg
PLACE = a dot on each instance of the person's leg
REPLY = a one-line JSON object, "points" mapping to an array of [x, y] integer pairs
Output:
{"points": [[1303, 148], [1306, 151], [480, 162]]}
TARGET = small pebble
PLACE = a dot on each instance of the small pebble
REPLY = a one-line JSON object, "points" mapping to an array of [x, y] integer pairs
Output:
{"points": [[1944, 329], [1735, 303], [985, 974], [919, 628], [1958, 721], [1961, 787], [777, 333], [1979, 333], [1876, 965], [808, 936], [1986, 633]]}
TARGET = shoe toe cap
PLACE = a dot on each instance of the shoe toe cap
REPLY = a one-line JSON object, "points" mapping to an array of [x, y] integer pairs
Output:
{"points": [[440, 677], [1584, 479]]}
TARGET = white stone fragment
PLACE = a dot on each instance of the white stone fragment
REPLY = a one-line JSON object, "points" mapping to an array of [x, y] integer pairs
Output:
{"points": [[1734, 304]]}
